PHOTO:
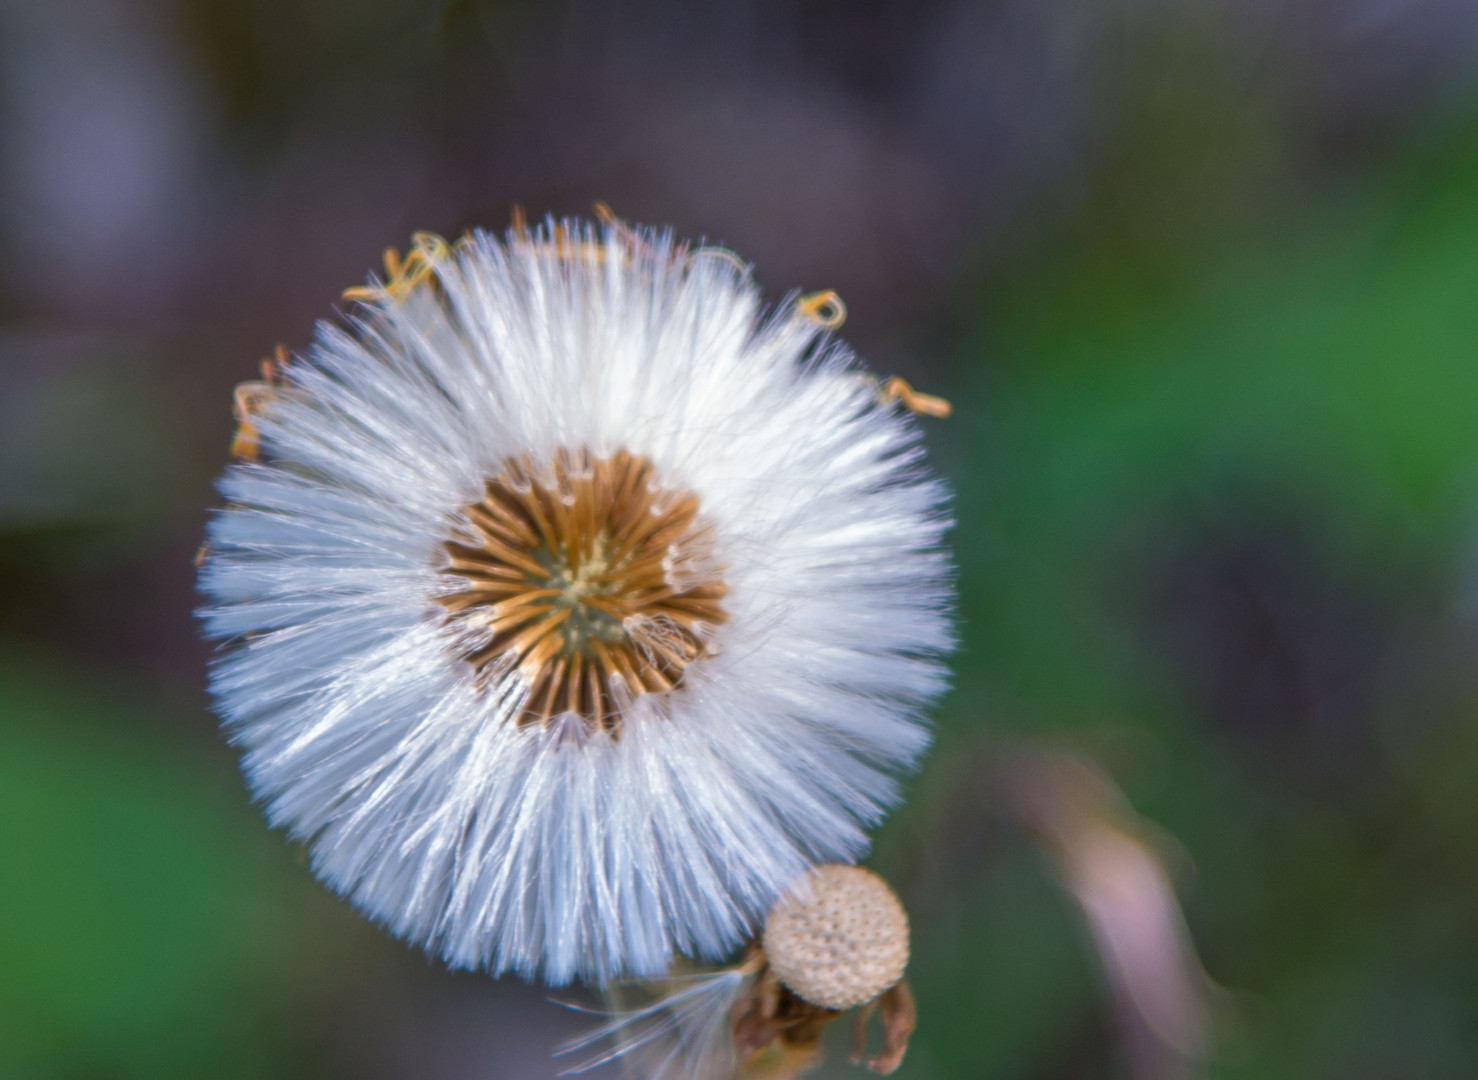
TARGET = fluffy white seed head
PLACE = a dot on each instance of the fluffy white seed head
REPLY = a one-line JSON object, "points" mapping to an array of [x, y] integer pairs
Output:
{"points": [[839, 939], [572, 605]]}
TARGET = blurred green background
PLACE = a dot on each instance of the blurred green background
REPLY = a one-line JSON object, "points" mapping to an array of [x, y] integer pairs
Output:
{"points": [[1201, 279]]}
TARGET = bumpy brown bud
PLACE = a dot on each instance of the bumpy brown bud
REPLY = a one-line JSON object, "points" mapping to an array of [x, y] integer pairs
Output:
{"points": [[839, 939]]}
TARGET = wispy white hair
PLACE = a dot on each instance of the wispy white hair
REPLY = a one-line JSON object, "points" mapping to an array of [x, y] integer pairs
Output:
{"points": [[543, 849], [684, 1033]]}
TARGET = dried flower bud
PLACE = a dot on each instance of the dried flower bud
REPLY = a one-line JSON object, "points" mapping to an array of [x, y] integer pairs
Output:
{"points": [[837, 941], [840, 939]]}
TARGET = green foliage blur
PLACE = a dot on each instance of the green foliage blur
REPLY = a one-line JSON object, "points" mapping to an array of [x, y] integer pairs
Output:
{"points": [[1216, 511], [1216, 466]]}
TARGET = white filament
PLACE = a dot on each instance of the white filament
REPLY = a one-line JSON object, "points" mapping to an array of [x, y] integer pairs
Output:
{"points": [[686, 1033]]}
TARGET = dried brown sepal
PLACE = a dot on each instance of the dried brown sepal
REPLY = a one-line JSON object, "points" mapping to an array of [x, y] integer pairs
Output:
{"points": [[593, 580], [776, 1033], [899, 1015]]}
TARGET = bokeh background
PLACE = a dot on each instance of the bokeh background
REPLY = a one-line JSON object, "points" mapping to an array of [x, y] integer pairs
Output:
{"points": [[1201, 279]]}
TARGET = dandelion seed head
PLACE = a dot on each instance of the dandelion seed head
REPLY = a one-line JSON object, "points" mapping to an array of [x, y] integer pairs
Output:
{"points": [[572, 602]]}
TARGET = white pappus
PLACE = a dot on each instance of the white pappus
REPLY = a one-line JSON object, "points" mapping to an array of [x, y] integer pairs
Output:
{"points": [[571, 604]]}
